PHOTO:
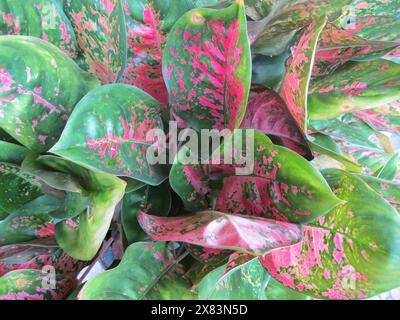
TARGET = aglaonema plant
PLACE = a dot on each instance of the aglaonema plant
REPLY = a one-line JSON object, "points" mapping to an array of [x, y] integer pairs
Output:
{"points": [[92, 91]]}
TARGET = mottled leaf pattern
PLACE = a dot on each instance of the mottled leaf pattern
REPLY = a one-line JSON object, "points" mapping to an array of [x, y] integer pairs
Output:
{"points": [[41, 19], [115, 142], [294, 88], [297, 193], [39, 87], [267, 113], [356, 86], [351, 253], [101, 34], [17, 188], [223, 231], [207, 67]]}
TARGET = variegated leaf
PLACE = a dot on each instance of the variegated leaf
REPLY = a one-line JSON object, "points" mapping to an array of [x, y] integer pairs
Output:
{"points": [[207, 67]]}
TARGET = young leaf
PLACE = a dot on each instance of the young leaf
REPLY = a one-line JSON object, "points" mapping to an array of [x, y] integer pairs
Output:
{"points": [[390, 170], [39, 87], [101, 33], [207, 67], [268, 113], [82, 240], [152, 200], [282, 186], [356, 86], [17, 189], [41, 19], [218, 230], [351, 253], [142, 274], [108, 131], [294, 87], [245, 282]]}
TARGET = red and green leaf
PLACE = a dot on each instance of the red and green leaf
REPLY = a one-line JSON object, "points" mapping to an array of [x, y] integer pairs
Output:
{"points": [[294, 87], [351, 253], [39, 87], [101, 34], [282, 186], [268, 113], [356, 86], [41, 19], [218, 230], [114, 136], [207, 67]]}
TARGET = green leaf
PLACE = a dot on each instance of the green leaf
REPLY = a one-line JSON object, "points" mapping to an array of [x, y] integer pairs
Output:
{"points": [[356, 86], [40, 86], [82, 240], [245, 282], [390, 170], [277, 291], [101, 33], [144, 273], [388, 190], [108, 131], [31, 223], [280, 186], [212, 229], [12, 153], [152, 200], [294, 86], [351, 253], [17, 189], [207, 67], [41, 19]]}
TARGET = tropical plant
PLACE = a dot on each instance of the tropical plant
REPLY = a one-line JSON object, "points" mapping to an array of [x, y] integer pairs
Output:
{"points": [[84, 83]]}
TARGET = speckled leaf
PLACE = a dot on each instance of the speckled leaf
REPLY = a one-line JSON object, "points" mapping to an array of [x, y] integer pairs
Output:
{"points": [[207, 67], [245, 282], [12, 153], [268, 113], [29, 284], [108, 130], [294, 87], [218, 230], [39, 87], [152, 200], [17, 188], [283, 185], [32, 257], [351, 253], [31, 223], [101, 33], [356, 86], [41, 19], [374, 19], [388, 190], [83, 239], [287, 16], [144, 273]]}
